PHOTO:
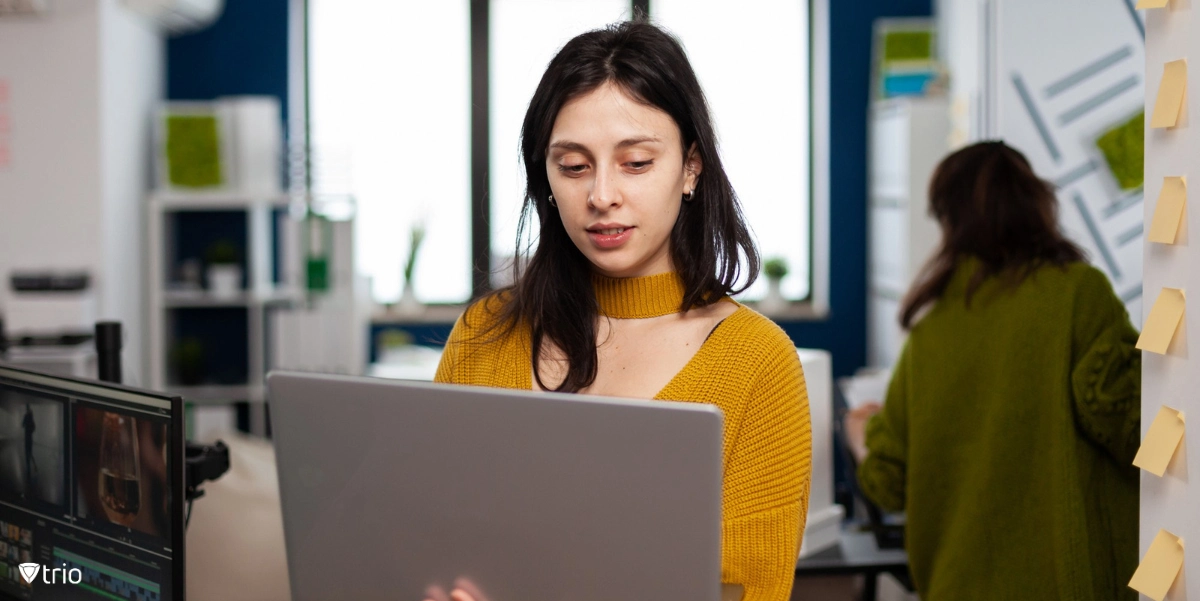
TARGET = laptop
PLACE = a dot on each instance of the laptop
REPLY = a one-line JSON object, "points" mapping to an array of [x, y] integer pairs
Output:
{"points": [[391, 487]]}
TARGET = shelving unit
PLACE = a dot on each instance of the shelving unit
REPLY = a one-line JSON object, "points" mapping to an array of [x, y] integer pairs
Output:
{"points": [[909, 136], [227, 335]]}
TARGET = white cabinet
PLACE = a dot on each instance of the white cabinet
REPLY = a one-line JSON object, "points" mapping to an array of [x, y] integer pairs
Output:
{"points": [[908, 137]]}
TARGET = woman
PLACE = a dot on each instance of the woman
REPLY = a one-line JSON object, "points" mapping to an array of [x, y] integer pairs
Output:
{"points": [[1012, 416], [640, 243]]}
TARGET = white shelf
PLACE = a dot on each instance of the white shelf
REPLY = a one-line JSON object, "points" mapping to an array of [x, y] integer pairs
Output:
{"points": [[171, 200], [908, 136], [219, 394], [202, 298]]}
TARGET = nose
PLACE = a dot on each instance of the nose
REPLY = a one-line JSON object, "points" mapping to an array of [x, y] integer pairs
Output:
{"points": [[606, 193]]}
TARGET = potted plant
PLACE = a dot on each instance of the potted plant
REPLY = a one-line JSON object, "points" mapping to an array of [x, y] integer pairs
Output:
{"points": [[224, 270], [775, 269], [408, 299], [187, 359]]}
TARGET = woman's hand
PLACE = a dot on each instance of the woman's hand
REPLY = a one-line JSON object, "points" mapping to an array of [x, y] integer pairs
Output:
{"points": [[464, 590], [855, 426]]}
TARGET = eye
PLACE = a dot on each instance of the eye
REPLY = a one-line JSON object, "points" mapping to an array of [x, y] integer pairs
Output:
{"points": [[572, 169], [639, 165]]}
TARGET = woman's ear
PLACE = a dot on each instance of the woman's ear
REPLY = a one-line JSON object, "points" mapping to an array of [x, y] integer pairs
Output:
{"points": [[692, 166]]}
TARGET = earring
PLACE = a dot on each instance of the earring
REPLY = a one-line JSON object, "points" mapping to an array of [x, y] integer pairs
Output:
{"points": [[552, 203], [688, 197]]}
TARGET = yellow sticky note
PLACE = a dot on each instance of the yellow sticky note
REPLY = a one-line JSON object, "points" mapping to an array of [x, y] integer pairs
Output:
{"points": [[1170, 94], [1169, 210], [1159, 567], [1142, 4], [1163, 321], [1160, 442]]}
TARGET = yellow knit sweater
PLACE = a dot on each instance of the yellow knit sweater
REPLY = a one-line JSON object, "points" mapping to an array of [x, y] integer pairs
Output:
{"points": [[748, 367]]}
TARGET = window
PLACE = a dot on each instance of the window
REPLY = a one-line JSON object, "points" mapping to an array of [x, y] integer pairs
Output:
{"points": [[389, 105], [390, 115], [752, 61], [525, 35]]}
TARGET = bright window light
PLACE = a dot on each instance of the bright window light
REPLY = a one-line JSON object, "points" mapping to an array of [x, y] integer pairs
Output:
{"points": [[752, 61], [525, 35], [389, 94]]}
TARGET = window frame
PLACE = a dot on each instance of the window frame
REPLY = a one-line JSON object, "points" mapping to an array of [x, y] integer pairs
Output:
{"points": [[814, 307]]}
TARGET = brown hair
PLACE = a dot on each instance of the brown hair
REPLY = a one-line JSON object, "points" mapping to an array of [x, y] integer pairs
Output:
{"points": [[993, 207]]}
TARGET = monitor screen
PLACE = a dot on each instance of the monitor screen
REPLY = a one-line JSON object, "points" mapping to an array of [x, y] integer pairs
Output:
{"points": [[91, 490]]}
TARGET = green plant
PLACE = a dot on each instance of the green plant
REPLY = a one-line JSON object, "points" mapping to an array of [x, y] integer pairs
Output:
{"points": [[416, 235], [187, 357], [775, 268], [222, 252]]}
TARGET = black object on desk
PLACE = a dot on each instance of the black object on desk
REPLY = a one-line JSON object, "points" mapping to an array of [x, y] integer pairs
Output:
{"points": [[887, 528], [857, 554]]}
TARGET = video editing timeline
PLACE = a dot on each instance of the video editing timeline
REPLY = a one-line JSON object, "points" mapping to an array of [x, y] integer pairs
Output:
{"points": [[107, 581], [85, 491]]}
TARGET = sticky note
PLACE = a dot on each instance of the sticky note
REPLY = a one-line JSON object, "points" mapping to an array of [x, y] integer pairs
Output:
{"points": [[1143, 4], [1163, 321], [1160, 442], [1169, 210], [1159, 567], [1170, 94]]}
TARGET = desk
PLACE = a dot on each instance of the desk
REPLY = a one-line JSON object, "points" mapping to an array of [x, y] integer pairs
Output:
{"points": [[856, 553]]}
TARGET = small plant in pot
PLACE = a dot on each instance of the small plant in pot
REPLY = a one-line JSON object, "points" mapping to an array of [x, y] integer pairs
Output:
{"points": [[187, 361], [409, 305], [224, 270], [775, 268]]}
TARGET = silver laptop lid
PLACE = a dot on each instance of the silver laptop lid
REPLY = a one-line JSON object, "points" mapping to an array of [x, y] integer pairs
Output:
{"points": [[391, 486]]}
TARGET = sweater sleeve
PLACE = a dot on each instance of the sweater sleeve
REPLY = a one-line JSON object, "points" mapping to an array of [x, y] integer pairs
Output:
{"points": [[881, 477], [1106, 370], [452, 364], [767, 482]]}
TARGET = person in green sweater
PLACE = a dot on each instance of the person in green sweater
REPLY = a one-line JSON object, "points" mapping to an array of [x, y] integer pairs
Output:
{"points": [[1012, 416]]}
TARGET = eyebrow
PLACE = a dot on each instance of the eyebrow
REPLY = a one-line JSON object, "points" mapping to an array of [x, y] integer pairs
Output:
{"points": [[627, 142]]}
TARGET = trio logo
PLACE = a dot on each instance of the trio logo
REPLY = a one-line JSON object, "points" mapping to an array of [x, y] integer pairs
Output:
{"points": [[29, 571]]}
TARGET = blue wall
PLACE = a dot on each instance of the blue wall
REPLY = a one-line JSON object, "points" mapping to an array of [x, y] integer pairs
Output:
{"points": [[845, 332], [245, 52]]}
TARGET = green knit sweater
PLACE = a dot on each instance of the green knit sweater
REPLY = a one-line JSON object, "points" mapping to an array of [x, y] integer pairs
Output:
{"points": [[1007, 437]]}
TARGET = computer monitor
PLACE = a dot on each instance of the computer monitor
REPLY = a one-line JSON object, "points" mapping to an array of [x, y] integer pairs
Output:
{"points": [[91, 490]]}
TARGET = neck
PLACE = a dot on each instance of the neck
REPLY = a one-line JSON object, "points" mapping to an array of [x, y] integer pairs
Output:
{"points": [[639, 297]]}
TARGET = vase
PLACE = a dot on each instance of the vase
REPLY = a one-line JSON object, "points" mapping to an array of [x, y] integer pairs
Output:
{"points": [[409, 305], [224, 281], [773, 302]]}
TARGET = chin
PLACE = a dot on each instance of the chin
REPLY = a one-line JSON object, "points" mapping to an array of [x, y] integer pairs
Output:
{"points": [[620, 269]]}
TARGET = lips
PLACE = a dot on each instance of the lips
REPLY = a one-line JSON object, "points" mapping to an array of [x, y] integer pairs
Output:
{"points": [[610, 235]]}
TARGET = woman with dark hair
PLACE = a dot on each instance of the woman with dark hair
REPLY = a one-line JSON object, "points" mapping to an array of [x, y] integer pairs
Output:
{"points": [[640, 243], [1012, 416]]}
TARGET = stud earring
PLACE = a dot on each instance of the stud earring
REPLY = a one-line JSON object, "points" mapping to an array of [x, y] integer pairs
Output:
{"points": [[552, 203]]}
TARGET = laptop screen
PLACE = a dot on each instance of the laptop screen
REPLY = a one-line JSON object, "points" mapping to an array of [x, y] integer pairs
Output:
{"points": [[91, 490]]}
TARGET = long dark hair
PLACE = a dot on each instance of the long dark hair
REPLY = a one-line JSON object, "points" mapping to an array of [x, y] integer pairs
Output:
{"points": [[993, 207], [552, 293]]}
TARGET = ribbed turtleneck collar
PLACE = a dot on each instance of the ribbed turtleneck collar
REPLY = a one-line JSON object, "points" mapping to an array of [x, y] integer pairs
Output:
{"points": [[640, 297]]}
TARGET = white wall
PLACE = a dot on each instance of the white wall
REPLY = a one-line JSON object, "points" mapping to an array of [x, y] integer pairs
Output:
{"points": [[960, 31], [49, 208], [81, 82], [132, 82], [1049, 78]]}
